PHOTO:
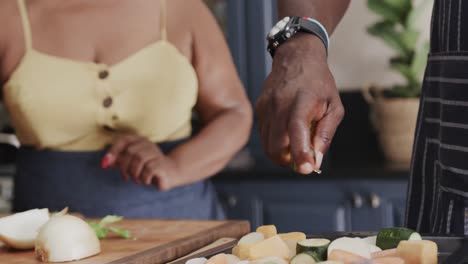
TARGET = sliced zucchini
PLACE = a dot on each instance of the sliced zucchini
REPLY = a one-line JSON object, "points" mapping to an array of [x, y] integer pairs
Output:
{"points": [[389, 238], [318, 246], [304, 258]]}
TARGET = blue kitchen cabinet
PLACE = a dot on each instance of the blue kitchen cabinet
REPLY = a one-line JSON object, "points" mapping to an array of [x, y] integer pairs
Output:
{"points": [[315, 206]]}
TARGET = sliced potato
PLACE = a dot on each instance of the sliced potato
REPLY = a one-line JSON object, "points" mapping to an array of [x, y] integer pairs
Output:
{"points": [[344, 256], [385, 253], [296, 236], [218, 259], [388, 260], [197, 261], [269, 260], [251, 238], [267, 230], [232, 259], [418, 251], [271, 247], [242, 251]]}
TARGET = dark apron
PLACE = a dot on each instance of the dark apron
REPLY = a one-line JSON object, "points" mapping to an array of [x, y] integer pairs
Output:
{"points": [[55, 179], [438, 187]]}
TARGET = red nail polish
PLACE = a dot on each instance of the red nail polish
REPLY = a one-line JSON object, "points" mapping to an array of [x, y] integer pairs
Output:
{"points": [[137, 181], [105, 162]]}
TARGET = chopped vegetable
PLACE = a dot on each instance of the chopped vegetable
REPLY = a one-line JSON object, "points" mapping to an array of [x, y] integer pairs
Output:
{"points": [[271, 247], [20, 230], [317, 246], [232, 259], [388, 260], [344, 256], [197, 261], [296, 236], [292, 247], [373, 249], [251, 238], [242, 251], [270, 260], [352, 245], [101, 230], [267, 230], [218, 259], [66, 238], [371, 240], [385, 253], [304, 258], [389, 238], [418, 252]]}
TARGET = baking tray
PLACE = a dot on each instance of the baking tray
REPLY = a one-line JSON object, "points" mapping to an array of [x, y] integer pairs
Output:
{"points": [[446, 245]]}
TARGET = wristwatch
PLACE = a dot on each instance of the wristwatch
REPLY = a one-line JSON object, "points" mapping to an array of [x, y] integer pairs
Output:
{"points": [[286, 28]]}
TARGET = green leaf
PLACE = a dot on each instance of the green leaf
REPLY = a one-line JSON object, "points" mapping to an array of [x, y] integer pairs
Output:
{"points": [[120, 231], [110, 219], [385, 9], [100, 232], [420, 60], [415, 13], [399, 4], [403, 69], [409, 38], [387, 33]]}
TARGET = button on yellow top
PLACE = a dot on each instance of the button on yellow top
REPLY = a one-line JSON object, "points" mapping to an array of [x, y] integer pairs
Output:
{"points": [[103, 74]]}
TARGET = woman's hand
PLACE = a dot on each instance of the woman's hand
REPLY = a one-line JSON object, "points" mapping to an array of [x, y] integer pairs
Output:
{"points": [[140, 159]]}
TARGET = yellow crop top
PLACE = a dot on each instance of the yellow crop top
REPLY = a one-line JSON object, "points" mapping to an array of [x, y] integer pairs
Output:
{"points": [[62, 104]]}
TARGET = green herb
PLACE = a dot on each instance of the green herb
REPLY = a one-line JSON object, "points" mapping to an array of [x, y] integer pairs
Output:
{"points": [[397, 28], [102, 230]]}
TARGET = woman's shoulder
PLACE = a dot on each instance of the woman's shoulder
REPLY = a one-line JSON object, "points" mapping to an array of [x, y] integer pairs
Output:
{"points": [[9, 15]]}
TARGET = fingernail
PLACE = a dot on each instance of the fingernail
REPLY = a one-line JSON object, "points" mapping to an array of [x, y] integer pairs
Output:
{"points": [[318, 160], [306, 168], [105, 161], [137, 181]]}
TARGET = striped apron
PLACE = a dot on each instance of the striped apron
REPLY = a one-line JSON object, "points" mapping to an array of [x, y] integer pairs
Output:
{"points": [[438, 186]]}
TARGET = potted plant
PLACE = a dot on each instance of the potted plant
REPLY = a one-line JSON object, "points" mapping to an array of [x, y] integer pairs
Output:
{"points": [[394, 110]]}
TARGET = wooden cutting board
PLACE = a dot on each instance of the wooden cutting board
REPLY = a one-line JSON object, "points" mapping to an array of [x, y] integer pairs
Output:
{"points": [[155, 241]]}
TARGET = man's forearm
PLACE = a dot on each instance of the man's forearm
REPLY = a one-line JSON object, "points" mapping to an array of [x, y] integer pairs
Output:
{"points": [[328, 12]]}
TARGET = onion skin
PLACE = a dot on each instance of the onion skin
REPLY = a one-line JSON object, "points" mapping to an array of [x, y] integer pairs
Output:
{"points": [[66, 238]]}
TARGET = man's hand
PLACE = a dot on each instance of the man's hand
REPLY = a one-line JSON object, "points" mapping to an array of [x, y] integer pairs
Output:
{"points": [[140, 159], [299, 92]]}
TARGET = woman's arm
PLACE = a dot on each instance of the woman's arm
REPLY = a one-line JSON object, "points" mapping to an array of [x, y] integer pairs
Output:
{"points": [[300, 90], [222, 104]]}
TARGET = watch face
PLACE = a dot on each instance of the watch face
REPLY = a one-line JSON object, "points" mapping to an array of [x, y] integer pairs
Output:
{"points": [[279, 27]]}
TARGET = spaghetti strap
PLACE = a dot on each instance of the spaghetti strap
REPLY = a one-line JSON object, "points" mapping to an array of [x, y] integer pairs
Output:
{"points": [[163, 19], [25, 22]]}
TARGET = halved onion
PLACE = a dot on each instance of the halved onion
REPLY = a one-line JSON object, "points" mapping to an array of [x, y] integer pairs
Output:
{"points": [[19, 230], [66, 238]]}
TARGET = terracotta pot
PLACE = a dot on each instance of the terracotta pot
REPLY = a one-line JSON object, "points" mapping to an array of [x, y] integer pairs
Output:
{"points": [[394, 120]]}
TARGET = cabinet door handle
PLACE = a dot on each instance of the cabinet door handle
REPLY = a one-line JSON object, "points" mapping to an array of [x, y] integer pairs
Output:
{"points": [[231, 201], [374, 200], [357, 200]]}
